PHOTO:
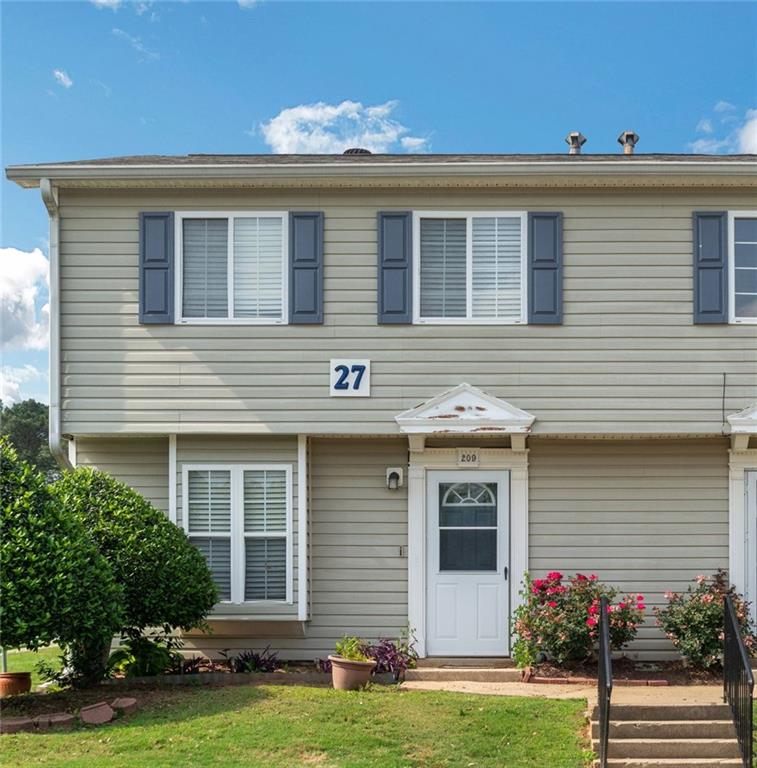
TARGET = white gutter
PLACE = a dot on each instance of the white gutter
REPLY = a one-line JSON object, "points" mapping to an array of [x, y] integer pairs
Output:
{"points": [[55, 438]]}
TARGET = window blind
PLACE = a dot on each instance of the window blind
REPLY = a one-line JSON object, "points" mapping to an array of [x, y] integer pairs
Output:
{"points": [[265, 569], [745, 268], [496, 273], [205, 268], [265, 512], [257, 267], [209, 501], [217, 554], [443, 267]]}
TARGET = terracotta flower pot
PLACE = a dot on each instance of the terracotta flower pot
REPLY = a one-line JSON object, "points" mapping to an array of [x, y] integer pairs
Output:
{"points": [[347, 675], [12, 683]]}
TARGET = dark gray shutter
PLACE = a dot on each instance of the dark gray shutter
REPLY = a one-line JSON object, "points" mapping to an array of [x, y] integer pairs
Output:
{"points": [[545, 268], [395, 273], [710, 267], [305, 268], [156, 259]]}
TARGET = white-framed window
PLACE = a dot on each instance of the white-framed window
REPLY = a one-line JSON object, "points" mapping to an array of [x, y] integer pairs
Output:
{"points": [[232, 267], [240, 517], [469, 267], [742, 266]]}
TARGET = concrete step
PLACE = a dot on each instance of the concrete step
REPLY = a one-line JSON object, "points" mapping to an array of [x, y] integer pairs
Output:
{"points": [[464, 674], [672, 748], [498, 662], [668, 729], [689, 762], [666, 712]]}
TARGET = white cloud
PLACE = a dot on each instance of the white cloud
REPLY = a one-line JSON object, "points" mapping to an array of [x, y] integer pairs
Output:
{"points": [[247, 3], [23, 283], [738, 133], [331, 128], [62, 78], [747, 134], [704, 125], [136, 43], [13, 379]]}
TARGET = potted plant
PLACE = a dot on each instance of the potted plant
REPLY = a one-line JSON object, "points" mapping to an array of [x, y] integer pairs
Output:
{"points": [[350, 667]]}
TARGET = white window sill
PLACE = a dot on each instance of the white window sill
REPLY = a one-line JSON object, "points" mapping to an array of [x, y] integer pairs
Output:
{"points": [[467, 321], [230, 321]]}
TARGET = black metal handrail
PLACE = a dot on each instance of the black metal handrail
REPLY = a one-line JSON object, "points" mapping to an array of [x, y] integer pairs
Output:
{"points": [[738, 680], [604, 680]]}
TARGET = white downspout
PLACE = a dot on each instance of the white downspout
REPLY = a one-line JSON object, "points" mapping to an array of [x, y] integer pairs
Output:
{"points": [[57, 448]]}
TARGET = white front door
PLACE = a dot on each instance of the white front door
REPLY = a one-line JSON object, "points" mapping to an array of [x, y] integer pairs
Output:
{"points": [[467, 587]]}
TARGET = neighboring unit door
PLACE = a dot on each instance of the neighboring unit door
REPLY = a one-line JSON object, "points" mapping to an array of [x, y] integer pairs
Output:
{"points": [[751, 542], [467, 584]]}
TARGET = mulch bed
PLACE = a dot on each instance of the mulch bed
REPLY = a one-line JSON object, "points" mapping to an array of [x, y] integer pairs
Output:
{"points": [[634, 672]]}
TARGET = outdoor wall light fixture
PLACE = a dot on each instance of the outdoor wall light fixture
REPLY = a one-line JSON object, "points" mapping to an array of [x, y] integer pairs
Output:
{"points": [[394, 478]]}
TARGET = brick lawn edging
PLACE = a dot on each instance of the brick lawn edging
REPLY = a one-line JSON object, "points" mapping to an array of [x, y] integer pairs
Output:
{"points": [[94, 714]]}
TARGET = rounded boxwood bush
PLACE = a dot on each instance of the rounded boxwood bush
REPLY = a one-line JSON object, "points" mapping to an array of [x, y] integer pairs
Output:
{"points": [[54, 584], [164, 578]]}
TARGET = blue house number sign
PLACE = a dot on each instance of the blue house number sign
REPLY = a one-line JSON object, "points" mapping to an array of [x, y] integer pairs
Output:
{"points": [[350, 378]]}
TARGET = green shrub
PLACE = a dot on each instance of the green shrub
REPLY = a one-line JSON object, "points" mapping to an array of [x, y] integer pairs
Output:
{"points": [[54, 585], [351, 648], [145, 656], [693, 621], [558, 619], [164, 578]]}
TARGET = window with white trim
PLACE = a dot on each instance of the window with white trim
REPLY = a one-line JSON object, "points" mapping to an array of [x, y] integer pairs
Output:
{"points": [[240, 518], [232, 267], [470, 267], [744, 267]]}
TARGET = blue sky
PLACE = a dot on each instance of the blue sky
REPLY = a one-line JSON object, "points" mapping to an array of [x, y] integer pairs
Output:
{"points": [[93, 79]]}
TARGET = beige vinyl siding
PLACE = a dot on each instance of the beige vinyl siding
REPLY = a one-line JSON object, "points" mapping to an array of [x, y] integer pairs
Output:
{"points": [[236, 449], [646, 515], [141, 463], [358, 576], [626, 360]]}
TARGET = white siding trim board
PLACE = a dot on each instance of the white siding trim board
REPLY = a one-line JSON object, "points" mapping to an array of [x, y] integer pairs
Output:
{"points": [[742, 569]]}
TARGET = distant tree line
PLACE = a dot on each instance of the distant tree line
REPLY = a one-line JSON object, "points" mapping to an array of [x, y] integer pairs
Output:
{"points": [[25, 425]]}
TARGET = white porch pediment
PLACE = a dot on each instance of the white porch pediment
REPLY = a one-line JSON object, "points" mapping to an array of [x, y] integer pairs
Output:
{"points": [[744, 422], [465, 409]]}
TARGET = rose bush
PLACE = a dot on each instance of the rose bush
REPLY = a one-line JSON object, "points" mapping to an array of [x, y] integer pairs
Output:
{"points": [[558, 619], [693, 620]]}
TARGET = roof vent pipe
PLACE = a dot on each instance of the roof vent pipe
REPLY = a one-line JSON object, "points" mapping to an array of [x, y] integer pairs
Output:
{"points": [[628, 140], [357, 151], [575, 140]]}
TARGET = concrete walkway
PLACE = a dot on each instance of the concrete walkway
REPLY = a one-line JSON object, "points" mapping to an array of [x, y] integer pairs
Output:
{"points": [[664, 695]]}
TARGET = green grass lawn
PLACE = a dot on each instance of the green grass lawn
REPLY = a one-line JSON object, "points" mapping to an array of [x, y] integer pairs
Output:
{"points": [[26, 661], [286, 726]]}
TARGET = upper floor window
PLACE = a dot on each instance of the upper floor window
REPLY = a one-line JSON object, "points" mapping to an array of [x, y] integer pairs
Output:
{"points": [[232, 267], [743, 259], [470, 267]]}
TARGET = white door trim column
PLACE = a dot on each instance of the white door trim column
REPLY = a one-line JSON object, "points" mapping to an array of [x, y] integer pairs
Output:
{"points": [[739, 463], [302, 527], [421, 461]]}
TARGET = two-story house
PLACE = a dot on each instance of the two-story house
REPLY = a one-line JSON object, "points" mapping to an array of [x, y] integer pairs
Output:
{"points": [[376, 389]]}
